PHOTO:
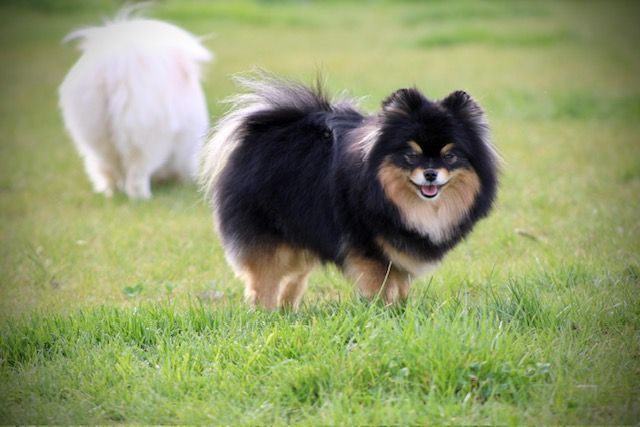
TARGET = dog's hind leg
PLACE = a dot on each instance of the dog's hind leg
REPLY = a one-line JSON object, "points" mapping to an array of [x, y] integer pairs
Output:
{"points": [[275, 276], [291, 289], [137, 181], [262, 271], [294, 284], [103, 176], [138, 184], [377, 280]]}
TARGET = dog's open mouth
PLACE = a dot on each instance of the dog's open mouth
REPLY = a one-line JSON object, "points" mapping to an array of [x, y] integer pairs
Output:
{"points": [[429, 191]]}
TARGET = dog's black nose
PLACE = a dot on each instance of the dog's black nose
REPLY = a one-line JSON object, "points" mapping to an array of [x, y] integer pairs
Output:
{"points": [[430, 174]]}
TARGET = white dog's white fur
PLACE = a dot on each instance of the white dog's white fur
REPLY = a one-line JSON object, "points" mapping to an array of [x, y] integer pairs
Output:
{"points": [[133, 103]]}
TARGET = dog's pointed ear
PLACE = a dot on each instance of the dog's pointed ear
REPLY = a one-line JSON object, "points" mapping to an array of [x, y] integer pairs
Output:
{"points": [[462, 105], [403, 101]]}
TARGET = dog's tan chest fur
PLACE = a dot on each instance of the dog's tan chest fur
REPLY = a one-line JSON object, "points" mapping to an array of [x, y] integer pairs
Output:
{"points": [[437, 218], [414, 266]]}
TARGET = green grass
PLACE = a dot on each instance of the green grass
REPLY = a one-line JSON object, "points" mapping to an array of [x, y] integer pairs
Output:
{"points": [[439, 359], [112, 311]]}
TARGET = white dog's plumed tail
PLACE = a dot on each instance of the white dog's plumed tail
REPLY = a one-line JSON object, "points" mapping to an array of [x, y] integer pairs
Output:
{"points": [[127, 31], [133, 102]]}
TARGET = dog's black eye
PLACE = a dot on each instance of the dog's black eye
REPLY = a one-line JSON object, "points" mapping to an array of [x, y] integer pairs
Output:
{"points": [[327, 135], [411, 156], [450, 158]]}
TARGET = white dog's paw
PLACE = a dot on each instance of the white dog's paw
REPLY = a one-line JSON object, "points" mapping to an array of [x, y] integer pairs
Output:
{"points": [[106, 192], [138, 188]]}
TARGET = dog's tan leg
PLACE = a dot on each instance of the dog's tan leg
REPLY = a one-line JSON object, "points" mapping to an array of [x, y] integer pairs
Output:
{"points": [[262, 277], [291, 290], [275, 276], [294, 284], [375, 279]]}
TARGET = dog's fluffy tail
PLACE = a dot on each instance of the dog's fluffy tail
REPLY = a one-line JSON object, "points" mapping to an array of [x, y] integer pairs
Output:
{"points": [[262, 93], [128, 31]]}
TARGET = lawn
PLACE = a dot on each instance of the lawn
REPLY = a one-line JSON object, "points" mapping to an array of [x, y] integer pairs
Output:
{"points": [[118, 311]]}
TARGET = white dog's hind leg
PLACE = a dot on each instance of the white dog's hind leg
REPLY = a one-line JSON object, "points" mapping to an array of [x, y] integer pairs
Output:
{"points": [[185, 161], [102, 175], [137, 182]]}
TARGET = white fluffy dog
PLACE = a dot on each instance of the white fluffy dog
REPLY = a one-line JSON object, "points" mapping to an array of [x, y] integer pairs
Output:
{"points": [[133, 104]]}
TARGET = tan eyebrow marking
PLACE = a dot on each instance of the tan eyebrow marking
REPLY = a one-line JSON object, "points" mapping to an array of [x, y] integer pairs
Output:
{"points": [[447, 148], [415, 147]]}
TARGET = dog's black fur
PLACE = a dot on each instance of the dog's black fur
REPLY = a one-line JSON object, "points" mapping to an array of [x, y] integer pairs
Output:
{"points": [[306, 172]]}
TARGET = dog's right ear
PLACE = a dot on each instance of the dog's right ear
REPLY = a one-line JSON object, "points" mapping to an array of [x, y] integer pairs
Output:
{"points": [[403, 101]]}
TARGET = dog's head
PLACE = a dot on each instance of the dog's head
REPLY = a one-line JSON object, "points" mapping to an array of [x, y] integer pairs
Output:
{"points": [[434, 160]]}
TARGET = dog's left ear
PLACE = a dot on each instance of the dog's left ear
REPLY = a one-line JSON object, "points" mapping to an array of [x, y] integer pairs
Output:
{"points": [[462, 105], [404, 101], [465, 108]]}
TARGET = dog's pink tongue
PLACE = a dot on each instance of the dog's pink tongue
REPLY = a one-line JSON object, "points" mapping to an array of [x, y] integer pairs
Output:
{"points": [[429, 190]]}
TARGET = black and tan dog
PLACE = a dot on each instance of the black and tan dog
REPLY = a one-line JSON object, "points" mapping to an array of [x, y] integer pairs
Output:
{"points": [[295, 180]]}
